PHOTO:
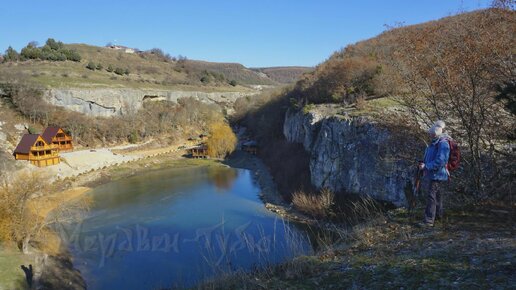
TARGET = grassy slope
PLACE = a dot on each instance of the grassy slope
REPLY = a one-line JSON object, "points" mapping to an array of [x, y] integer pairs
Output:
{"points": [[284, 75], [11, 275], [471, 249], [148, 72], [383, 51]]}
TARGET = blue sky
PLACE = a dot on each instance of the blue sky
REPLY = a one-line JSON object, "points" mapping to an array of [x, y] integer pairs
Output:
{"points": [[254, 33]]}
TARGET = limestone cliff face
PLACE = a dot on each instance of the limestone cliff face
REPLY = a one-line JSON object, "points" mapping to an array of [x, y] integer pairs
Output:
{"points": [[113, 102], [351, 154]]}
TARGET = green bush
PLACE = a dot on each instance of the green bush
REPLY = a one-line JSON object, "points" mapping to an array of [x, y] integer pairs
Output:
{"points": [[31, 52], [233, 83], [119, 71], [91, 65], [71, 54], [31, 130], [133, 137], [52, 50], [110, 68], [54, 45], [11, 55], [99, 66]]}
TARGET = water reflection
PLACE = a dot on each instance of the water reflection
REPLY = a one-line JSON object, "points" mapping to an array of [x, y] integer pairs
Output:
{"points": [[222, 178], [174, 227]]}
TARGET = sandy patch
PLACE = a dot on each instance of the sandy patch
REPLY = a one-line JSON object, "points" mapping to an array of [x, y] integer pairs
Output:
{"points": [[42, 206]]}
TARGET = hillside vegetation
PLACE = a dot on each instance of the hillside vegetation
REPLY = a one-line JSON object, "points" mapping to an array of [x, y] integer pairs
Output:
{"points": [[460, 69], [284, 75], [91, 66], [378, 66]]}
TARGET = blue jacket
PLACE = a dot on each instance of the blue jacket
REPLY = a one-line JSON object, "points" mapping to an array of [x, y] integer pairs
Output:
{"points": [[436, 157]]}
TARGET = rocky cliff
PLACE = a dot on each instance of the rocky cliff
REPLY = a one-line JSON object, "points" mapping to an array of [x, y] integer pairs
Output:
{"points": [[112, 102], [350, 154]]}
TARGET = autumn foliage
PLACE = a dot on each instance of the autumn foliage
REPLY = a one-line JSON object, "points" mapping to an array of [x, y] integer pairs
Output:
{"points": [[222, 140]]}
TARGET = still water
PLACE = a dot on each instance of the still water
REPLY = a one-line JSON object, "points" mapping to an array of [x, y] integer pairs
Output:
{"points": [[176, 227]]}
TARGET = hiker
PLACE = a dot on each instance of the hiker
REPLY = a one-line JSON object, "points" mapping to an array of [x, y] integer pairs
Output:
{"points": [[29, 274], [435, 172]]}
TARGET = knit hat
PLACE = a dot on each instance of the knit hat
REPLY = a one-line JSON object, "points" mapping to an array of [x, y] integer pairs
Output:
{"points": [[437, 128]]}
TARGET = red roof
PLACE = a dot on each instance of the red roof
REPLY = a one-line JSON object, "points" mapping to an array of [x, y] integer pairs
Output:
{"points": [[26, 142], [50, 132]]}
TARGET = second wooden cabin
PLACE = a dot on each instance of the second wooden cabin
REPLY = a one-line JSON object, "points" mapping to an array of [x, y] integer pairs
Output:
{"points": [[57, 136]]}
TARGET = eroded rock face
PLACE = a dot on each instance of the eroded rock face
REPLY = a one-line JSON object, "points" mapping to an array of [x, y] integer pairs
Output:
{"points": [[115, 102], [350, 155]]}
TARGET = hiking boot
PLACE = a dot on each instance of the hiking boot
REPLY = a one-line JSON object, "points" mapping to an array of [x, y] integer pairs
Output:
{"points": [[425, 225]]}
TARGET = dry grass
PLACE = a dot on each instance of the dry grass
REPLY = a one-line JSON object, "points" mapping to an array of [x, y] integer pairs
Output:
{"points": [[27, 209], [316, 205], [362, 209], [146, 71]]}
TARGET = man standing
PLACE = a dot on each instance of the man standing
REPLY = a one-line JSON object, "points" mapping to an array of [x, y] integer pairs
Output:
{"points": [[435, 172]]}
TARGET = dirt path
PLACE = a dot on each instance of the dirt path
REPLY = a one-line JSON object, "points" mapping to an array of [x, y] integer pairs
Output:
{"points": [[83, 161]]}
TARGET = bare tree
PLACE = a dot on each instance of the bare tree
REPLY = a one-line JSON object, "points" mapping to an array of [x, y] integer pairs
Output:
{"points": [[26, 209], [452, 74]]}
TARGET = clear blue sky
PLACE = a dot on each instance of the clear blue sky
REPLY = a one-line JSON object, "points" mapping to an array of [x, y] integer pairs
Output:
{"points": [[255, 33]]}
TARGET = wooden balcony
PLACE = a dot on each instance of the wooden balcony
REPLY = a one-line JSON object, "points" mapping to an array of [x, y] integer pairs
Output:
{"points": [[61, 139], [44, 157], [43, 148]]}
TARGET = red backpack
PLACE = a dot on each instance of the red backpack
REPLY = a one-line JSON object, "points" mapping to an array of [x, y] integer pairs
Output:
{"points": [[454, 159]]}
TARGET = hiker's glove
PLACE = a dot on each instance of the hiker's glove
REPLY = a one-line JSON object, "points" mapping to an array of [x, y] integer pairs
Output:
{"points": [[421, 166]]}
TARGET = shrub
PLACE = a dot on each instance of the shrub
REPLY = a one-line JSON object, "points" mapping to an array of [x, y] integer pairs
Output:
{"points": [[31, 130], [31, 52], [54, 45], [91, 65], [233, 83], [119, 71], [52, 50], [110, 68], [11, 55], [222, 140], [316, 205], [133, 137], [99, 66]]}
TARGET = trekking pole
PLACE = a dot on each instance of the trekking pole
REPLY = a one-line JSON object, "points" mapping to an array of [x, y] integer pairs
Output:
{"points": [[416, 187]]}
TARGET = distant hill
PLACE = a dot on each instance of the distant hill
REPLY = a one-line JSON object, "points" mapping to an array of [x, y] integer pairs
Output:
{"points": [[284, 74], [137, 70]]}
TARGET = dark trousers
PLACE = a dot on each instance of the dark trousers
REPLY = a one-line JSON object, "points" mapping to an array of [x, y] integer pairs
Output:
{"points": [[434, 200]]}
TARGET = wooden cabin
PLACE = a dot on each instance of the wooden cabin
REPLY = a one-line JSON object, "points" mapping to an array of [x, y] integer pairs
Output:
{"points": [[56, 136], [200, 151], [37, 151], [250, 147]]}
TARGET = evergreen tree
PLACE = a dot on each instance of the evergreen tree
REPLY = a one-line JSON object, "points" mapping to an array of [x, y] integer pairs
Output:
{"points": [[11, 55]]}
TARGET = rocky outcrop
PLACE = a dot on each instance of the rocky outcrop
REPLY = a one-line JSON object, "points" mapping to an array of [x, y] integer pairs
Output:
{"points": [[113, 102], [350, 154], [301, 128]]}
